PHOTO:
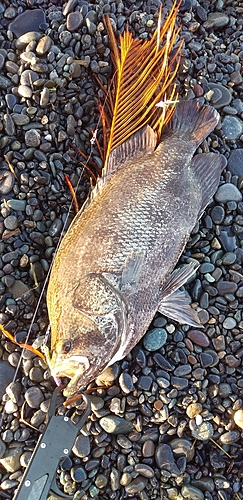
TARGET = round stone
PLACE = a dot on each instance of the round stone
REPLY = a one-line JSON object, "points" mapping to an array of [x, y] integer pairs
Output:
{"points": [[74, 21], [238, 418], [11, 222], [224, 97], [191, 493], [230, 437], [126, 383], [232, 128], [34, 397], [81, 446], [165, 459], [32, 138], [203, 431], [193, 410], [155, 339], [218, 214], [229, 323], [228, 192]]}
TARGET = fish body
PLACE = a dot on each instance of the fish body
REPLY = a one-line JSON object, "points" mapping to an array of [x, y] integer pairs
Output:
{"points": [[113, 270]]}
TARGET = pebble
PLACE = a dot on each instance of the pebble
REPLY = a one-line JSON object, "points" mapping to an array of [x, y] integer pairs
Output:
{"points": [[228, 192], [165, 459], [6, 376], [6, 181], [238, 418], [81, 446], [230, 437], [136, 485], [32, 138], [115, 425], [232, 127], [224, 98], [28, 21], [229, 323], [155, 339], [34, 397], [198, 337], [192, 493], [126, 383], [203, 431], [235, 162]]}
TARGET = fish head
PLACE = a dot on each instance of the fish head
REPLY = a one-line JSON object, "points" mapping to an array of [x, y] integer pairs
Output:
{"points": [[86, 336]]}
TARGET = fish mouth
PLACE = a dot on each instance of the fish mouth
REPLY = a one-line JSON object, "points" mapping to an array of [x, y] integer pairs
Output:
{"points": [[71, 367]]}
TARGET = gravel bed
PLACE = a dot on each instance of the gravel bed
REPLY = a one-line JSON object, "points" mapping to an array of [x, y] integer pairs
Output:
{"points": [[153, 432]]}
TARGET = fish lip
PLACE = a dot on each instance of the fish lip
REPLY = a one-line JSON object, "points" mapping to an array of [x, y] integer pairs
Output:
{"points": [[70, 367]]}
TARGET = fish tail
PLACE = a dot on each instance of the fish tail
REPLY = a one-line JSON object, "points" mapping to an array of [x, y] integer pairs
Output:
{"points": [[142, 90], [192, 122]]}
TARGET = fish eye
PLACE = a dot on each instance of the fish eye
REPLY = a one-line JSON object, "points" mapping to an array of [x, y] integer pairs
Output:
{"points": [[63, 347]]}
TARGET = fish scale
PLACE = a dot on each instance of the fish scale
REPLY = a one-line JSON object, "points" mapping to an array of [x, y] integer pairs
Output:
{"points": [[113, 268]]}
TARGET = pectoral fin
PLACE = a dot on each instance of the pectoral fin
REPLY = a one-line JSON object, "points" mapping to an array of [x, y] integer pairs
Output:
{"points": [[174, 304], [132, 270]]}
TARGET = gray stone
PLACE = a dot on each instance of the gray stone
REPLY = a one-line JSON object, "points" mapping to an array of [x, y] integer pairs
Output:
{"points": [[191, 493], [235, 162], [11, 459], [32, 138], [232, 127], [29, 20], [126, 383], [74, 21], [219, 19], [165, 459], [6, 181], [154, 339], [6, 376], [225, 97], [203, 431], [115, 425], [228, 192], [34, 397]]}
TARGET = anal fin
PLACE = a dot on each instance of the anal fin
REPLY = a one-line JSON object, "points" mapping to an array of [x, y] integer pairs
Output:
{"points": [[177, 307]]}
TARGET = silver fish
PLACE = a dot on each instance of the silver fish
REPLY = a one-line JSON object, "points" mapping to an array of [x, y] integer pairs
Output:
{"points": [[113, 270]]}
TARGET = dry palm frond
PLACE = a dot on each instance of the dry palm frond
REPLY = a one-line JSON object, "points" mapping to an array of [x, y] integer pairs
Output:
{"points": [[143, 76]]}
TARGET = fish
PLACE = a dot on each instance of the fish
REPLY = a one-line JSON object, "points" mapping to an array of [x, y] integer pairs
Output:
{"points": [[115, 267]]}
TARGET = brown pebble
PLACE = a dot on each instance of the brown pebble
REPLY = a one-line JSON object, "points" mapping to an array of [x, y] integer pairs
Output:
{"points": [[231, 361], [148, 448], [198, 90], [199, 338], [158, 405], [193, 410], [191, 359], [189, 344]]}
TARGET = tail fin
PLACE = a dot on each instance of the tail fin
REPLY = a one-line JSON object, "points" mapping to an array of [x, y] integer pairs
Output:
{"points": [[192, 122]]}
